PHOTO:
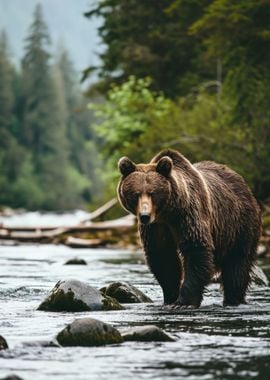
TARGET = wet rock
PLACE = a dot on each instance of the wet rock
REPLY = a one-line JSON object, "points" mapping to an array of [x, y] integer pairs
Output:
{"points": [[76, 261], [74, 295], [125, 293], [12, 377], [149, 333], [258, 276], [88, 332], [41, 343], [3, 343]]}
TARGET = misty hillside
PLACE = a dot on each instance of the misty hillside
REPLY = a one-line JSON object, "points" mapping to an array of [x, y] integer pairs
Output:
{"points": [[66, 24]]}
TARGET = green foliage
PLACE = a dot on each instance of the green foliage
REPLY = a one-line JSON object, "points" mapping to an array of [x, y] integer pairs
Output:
{"points": [[138, 123], [238, 33]]}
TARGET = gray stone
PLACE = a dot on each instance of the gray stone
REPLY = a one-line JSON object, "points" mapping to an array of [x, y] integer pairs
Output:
{"points": [[149, 333], [3, 343], [76, 261], [74, 295], [88, 332], [125, 293], [258, 276], [11, 377], [41, 343]]}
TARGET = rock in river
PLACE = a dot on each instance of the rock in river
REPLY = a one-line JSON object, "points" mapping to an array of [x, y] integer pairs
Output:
{"points": [[88, 332], [76, 261], [149, 333], [125, 293], [74, 295], [3, 343]]}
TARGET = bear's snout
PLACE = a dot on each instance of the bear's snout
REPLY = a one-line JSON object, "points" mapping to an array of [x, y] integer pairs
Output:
{"points": [[145, 209]]}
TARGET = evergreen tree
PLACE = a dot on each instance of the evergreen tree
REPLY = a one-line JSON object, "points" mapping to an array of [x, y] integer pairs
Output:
{"points": [[45, 117], [151, 38], [81, 138]]}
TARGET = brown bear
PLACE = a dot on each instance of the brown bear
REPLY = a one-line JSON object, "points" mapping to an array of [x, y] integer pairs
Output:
{"points": [[194, 220]]}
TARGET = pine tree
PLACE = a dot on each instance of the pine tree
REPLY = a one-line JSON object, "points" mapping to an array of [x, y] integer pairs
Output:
{"points": [[6, 95], [81, 138], [44, 119]]}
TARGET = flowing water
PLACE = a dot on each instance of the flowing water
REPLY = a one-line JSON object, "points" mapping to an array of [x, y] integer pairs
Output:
{"points": [[211, 343]]}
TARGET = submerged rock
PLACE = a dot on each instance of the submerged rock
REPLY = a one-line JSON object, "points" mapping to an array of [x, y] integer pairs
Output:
{"points": [[125, 293], [12, 377], [88, 332], [257, 276], [3, 343], [41, 343], [74, 295], [149, 333], [76, 261]]}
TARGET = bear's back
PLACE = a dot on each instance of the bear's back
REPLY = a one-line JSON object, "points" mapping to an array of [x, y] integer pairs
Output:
{"points": [[234, 205], [223, 180]]}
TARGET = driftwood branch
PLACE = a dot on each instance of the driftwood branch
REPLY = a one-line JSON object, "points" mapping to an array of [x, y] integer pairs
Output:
{"points": [[101, 211]]}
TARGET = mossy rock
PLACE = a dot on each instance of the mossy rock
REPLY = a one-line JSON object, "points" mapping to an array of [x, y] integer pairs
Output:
{"points": [[125, 293], [3, 343], [149, 333], [88, 332], [75, 296]]}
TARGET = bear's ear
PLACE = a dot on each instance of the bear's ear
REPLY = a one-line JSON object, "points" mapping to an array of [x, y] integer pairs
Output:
{"points": [[164, 166], [126, 166]]}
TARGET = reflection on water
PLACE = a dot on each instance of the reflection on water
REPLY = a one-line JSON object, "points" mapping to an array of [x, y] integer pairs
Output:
{"points": [[211, 343]]}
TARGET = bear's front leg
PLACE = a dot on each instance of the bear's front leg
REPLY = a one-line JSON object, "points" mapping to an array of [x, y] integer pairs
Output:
{"points": [[163, 259], [198, 272]]}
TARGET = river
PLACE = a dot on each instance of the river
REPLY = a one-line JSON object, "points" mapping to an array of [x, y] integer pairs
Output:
{"points": [[212, 342]]}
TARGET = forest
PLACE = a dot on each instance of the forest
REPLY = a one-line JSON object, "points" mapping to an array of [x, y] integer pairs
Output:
{"points": [[48, 155], [188, 75]]}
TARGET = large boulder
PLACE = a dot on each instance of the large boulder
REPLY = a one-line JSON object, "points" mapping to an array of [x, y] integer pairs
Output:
{"points": [[74, 295], [3, 343], [125, 293], [88, 332], [149, 333]]}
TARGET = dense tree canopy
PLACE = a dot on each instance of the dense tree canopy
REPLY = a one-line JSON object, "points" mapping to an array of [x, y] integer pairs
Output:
{"points": [[191, 50], [151, 38]]}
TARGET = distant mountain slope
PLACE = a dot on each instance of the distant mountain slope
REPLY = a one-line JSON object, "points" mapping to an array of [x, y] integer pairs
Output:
{"points": [[65, 21]]}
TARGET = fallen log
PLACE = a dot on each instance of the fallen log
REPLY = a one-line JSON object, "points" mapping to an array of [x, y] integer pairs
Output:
{"points": [[101, 211], [120, 225]]}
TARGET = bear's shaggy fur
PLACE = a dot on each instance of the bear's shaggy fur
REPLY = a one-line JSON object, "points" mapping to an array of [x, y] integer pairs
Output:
{"points": [[194, 220]]}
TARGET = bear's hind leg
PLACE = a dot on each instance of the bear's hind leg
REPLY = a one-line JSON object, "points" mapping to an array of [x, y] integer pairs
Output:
{"points": [[236, 275]]}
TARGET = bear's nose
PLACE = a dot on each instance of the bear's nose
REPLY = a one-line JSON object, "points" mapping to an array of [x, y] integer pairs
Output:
{"points": [[144, 218]]}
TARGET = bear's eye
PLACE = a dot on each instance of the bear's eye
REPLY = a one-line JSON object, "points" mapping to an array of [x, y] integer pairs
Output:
{"points": [[137, 193], [150, 193]]}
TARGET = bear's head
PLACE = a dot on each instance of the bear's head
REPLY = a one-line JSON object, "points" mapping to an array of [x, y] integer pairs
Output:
{"points": [[144, 189]]}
